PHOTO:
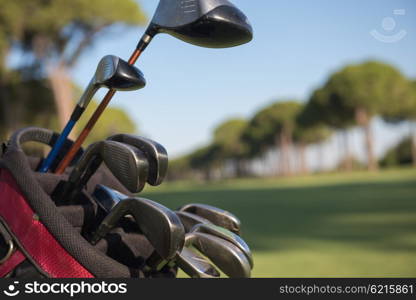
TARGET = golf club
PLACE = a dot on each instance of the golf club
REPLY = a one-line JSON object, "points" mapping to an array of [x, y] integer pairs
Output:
{"points": [[189, 220], [191, 263], [127, 163], [216, 215], [106, 197], [194, 265], [113, 73], [226, 235], [159, 224], [225, 255], [207, 23], [156, 155]]}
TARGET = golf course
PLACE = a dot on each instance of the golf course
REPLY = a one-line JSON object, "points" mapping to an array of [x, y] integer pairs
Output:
{"points": [[329, 225]]}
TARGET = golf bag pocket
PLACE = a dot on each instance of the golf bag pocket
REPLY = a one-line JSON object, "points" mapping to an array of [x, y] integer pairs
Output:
{"points": [[39, 239]]}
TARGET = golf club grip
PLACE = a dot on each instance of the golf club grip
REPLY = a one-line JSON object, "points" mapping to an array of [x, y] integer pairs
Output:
{"points": [[91, 123]]}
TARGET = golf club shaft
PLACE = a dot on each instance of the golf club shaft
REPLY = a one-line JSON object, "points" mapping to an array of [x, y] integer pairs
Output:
{"points": [[91, 123], [47, 163]]}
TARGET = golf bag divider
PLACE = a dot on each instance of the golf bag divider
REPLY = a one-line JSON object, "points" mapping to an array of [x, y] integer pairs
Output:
{"points": [[40, 239]]}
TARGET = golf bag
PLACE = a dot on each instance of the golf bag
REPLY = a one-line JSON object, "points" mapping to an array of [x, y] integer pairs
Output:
{"points": [[40, 239]]}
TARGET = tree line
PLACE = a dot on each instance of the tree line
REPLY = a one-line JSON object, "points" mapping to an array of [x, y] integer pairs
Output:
{"points": [[351, 97]]}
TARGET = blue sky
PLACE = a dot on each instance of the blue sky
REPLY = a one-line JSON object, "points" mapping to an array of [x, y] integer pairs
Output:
{"points": [[297, 44]]}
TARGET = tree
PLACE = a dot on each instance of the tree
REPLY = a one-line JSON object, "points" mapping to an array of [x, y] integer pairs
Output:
{"points": [[52, 34], [310, 129], [225, 146], [24, 103], [362, 91], [30, 103], [180, 168], [398, 155], [228, 138], [405, 110], [328, 108], [205, 159], [274, 126]]}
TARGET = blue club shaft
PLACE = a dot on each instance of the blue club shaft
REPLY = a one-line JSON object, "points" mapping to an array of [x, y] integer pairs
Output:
{"points": [[47, 163]]}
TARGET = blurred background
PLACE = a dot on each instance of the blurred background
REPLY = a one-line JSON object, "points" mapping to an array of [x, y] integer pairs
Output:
{"points": [[308, 133]]}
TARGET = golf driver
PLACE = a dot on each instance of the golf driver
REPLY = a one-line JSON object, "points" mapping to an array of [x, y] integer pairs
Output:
{"points": [[156, 155], [207, 23], [226, 235], [190, 220], [225, 255], [113, 73], [128, 164], [194, 265], [216, 215], [159, 224]]}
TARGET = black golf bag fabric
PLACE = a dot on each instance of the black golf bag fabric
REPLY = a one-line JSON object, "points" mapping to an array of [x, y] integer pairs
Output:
{"points": [[51, 240]]}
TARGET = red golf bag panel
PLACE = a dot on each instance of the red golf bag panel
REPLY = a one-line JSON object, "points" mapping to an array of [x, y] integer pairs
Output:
{"points": [[33, 236]]}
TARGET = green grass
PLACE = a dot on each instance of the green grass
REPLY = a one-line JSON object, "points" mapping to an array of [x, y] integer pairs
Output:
{"points": [[331, 225]]}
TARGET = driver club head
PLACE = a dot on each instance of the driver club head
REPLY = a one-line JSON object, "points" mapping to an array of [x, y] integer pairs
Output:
{"points": [[159, 224], [226, 235], [114, 73], [215, 215], [128, 164], [194, 265], [155, 153], [205, 23], [225, 255]]}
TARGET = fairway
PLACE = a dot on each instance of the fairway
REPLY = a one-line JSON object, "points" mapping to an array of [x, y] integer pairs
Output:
{"points": [[333, 225]]}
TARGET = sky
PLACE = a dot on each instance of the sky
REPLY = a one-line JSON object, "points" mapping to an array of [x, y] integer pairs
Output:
{"points": [[296, 46]]}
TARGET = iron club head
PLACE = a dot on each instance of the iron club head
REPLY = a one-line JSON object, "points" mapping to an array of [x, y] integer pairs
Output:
{"points": [[216, 215], [155, 153], [226, 235], [128, 164], [159, 224], [225, 255], [189, 220], [195, 265]]}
